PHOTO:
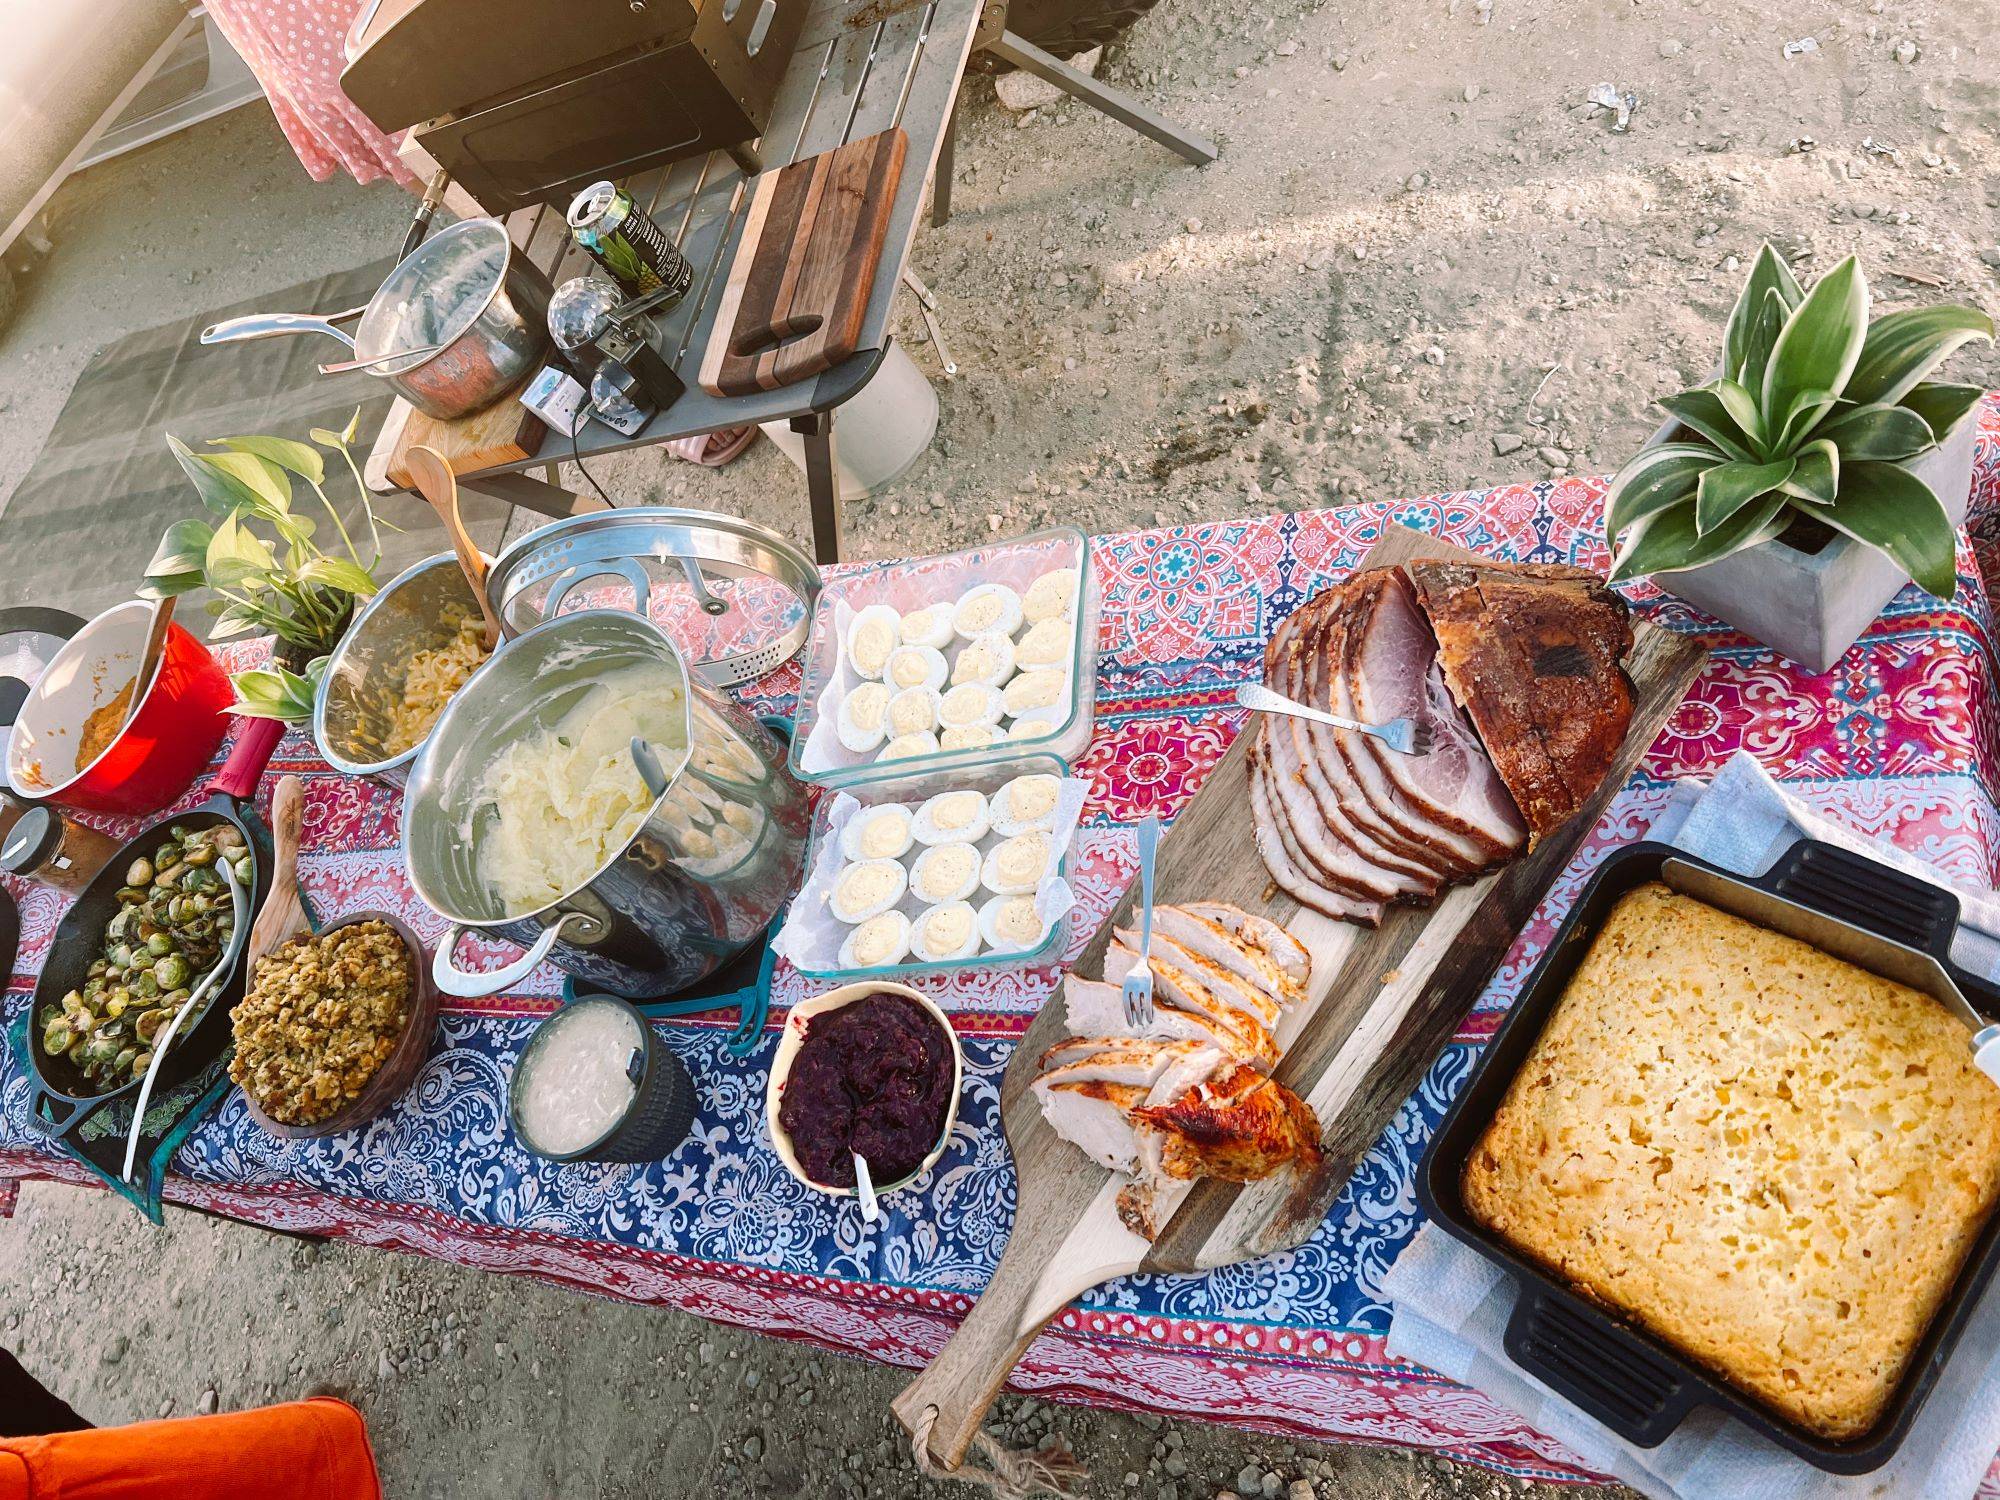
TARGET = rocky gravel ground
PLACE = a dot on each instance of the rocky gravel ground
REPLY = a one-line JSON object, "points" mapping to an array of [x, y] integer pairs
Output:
{"points": [[1424, 262]]}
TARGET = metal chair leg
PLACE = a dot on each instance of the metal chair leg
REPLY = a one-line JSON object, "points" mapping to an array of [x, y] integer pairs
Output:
{"points": [[822, 484], [1120, 106], [941, 178]]}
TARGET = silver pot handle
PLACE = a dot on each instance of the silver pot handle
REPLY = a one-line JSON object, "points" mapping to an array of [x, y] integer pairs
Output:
{"points": [[628, 568], [277, 325], [470, 986]]}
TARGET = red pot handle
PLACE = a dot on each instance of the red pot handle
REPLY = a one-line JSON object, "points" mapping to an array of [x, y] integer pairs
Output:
{"points": [[256, 742]]}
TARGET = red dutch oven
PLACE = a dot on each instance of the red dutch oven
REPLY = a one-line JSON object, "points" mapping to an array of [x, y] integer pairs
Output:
{"points": [[180, 719]]}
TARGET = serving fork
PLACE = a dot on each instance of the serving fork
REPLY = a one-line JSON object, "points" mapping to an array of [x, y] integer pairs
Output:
{"points": [[1404, 736], [1137, 989]]}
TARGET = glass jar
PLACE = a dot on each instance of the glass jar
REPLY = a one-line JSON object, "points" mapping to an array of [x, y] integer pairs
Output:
{"points": [[45, 846]]}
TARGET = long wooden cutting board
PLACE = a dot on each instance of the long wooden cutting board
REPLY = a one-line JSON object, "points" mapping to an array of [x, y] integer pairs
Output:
{"points": [[1381, 1004]]}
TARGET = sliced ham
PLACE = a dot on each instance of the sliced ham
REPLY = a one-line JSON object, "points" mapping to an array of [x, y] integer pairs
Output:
{"points": [[1220, 946], [1287, 866], [1284, 950], [1392, 673], [1334, 862], [1097, 1009]]}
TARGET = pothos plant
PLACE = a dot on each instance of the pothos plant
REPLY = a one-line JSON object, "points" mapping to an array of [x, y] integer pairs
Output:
{"points": [[1817, 413], [262, 563]]}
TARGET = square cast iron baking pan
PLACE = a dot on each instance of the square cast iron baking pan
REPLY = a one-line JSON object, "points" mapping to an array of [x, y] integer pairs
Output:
{"points": [[1635, 1384]]}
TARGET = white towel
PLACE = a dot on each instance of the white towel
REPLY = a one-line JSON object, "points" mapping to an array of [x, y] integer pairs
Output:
{"points": [[1451, 1304]]}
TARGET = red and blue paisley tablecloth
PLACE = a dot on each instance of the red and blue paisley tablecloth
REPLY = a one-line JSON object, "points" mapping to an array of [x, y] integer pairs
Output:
{"points": [[1899, 740]]}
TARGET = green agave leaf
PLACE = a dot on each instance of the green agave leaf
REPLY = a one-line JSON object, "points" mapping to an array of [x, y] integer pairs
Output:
{"points": [[1903, 347], [1942, 407], [1876, 432], [1668, 542], [300, 458], [1652, 480], [1887, 506], [1816, 476], [1725, 489], [1769, 278], [1822, 340], [1702, 411], [1764, 331], [221, 491], [339, 573], [1808, 407]]}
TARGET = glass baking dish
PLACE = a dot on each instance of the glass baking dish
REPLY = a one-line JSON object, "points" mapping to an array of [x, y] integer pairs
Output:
{"points": [[817, 754], [913, 788]]}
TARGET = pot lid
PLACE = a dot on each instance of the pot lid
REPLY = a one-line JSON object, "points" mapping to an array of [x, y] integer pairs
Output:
{"points": [[30, 636], [736, 598], [31, 840]]}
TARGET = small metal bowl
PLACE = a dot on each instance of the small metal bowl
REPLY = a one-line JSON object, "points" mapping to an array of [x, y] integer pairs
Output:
{"points": [[399, 1069], [368, 665]]}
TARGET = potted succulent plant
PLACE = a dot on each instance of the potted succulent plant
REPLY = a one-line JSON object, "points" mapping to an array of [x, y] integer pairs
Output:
{"points": [[283, 583], [1819, 472]]}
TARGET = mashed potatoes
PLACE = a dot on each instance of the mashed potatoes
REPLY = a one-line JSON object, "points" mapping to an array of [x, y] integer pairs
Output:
{"points": [[568, 796]]}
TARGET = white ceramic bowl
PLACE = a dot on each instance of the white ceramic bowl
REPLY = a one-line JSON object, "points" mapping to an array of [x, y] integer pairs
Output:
{"points": [[788, 1050]]}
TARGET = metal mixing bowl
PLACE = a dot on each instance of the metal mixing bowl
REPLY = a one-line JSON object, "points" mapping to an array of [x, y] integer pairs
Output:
{"points": [[349, 712]]}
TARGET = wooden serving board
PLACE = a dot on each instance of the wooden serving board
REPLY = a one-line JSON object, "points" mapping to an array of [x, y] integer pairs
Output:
{"points": [[797, 290], [1380, 1006], [505, 432]]}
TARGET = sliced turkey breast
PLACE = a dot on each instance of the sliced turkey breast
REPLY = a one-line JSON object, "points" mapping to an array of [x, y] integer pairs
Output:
{"points": [[1287, 866], [1135, 1061], [1098, 1009], [1244, 995], [1237, 1125], [1284, 950], [1186, 990], [1324, 773], [1094, 1118], [1223, 948], [1138, 1199], [1392, 673]]}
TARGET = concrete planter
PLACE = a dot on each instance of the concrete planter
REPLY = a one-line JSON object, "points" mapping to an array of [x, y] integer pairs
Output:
{"points": [[1814, 605]]}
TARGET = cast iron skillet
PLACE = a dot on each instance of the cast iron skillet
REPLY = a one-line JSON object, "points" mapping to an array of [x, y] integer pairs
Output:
{"points": [[64, 1099]]}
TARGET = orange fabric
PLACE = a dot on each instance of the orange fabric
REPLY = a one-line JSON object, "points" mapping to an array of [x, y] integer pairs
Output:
{"points": [[303, 1450]]}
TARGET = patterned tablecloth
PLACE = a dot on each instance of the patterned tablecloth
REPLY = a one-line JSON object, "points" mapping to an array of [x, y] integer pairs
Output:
{"points": [[1898, 740]]}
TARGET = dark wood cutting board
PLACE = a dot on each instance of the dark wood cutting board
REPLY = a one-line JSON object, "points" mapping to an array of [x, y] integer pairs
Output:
{"points": [[796, 293], [1380, 1006]]}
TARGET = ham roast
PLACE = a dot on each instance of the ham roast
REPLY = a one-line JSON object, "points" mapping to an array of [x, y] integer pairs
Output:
{"points": [[1532, 653], [1513, 669]]}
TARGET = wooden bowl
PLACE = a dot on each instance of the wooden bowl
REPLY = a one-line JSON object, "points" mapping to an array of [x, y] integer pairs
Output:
{"points": [[399, 1069]]}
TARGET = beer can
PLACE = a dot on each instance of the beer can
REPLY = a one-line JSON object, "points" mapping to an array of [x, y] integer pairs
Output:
{"points": [[633, 250]]}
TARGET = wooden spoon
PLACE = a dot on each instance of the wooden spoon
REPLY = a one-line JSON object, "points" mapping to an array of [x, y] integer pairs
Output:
{"points": [[437, 484], [284, 915]]}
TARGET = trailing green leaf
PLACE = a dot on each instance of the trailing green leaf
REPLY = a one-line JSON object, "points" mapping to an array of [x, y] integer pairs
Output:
{"points": [[1904, 347], [1652, 480], [1942, 407], [1725, 489], [1821, 342], [300, 458], [339, 573], [1886, 506]]}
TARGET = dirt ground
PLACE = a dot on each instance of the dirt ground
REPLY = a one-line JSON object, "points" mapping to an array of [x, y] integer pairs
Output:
{"points": [[1422, 263]]}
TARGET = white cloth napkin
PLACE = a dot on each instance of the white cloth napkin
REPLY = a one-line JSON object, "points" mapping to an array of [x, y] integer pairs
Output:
{"points": [[1451, 1304]]}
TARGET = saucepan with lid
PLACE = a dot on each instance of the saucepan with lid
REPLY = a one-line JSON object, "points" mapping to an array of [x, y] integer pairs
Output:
{"points": [[459, 322], [700, 876]]}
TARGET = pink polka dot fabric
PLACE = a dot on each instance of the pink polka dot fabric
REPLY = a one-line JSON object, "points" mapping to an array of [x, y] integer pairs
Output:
{"points": [[295, 49]]}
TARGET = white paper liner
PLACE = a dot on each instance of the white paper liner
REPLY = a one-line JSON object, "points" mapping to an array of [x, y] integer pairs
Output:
{"points": [[812, 935]]}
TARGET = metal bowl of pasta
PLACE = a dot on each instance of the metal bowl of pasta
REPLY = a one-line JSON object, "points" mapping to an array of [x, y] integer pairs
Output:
{"points": [[407, 653]]}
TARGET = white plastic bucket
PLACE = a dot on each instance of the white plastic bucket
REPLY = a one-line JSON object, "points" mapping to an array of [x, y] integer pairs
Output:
{"points": [[880, 434]]}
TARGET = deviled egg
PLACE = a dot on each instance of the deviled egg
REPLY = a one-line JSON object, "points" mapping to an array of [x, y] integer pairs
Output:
{"points": [[930, 626], [945, 872], [909, 746], [1046, 643], [945, 933], [1014, 867], [985, 658], [952, 817], [1010, 924], [1026, 803], [915, 666], [1042, 688], [967, 737], [1034, 726], [876, 631], [878, 833], [863, 721], [912, 711], [881, 940], [988, 606], [968, 704], [867, 889], [1052, 596]]}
